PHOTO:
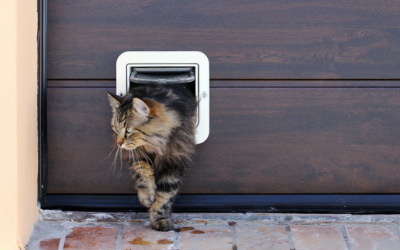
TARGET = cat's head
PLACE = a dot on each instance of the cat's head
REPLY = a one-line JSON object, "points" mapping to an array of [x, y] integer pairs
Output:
{"points": [[131, 123]]}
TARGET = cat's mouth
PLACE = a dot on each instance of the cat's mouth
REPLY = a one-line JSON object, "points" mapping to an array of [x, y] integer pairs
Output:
{"points": [[127, 146], [123, 146]]}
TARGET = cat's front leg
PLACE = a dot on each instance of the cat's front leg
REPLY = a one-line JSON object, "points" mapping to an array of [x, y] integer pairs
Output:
{"points": [[145, 183], [167, 189]]}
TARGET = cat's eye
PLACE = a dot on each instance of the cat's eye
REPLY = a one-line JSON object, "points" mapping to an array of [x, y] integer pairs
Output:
{"points": [[129, 130], [116, 129]]}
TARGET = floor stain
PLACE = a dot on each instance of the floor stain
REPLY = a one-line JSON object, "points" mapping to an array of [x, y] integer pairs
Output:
{"points": [[140, 241], [201, 222], [49, 243], [183, 229], [165, 242], [197, 232]]}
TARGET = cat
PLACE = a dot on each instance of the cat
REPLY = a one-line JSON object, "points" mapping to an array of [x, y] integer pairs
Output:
{"points": [[155, 125]]}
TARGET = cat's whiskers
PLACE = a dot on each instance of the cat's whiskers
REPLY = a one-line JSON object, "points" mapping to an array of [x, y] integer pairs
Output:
{"points": [[134, 153], [139, 161], [113, 165], [147, 161], [109, 154], [146, 157], [114, 161], [134, 157], [120, 167]]}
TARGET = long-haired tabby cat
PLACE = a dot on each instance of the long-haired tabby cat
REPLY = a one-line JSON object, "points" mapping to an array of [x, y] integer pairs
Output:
{"points": [[155, 126]]}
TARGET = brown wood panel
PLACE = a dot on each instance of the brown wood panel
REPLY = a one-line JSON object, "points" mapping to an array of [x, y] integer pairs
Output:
{"points": [[319, 39], [79, 138], [262, 140], [241, 83]]}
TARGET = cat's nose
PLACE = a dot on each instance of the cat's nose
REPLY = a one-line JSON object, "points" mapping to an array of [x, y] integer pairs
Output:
{"points": [[120, 143]]}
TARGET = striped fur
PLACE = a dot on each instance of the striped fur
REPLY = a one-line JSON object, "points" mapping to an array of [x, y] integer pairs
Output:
{"points": [[155, 125]]}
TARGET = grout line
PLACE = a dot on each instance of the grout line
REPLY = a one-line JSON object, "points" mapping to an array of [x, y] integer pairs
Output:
{"points": [[62, 240], [233, 234], [345, 236], [177, 237], [119, 240], [396, 228], [290, 238]]}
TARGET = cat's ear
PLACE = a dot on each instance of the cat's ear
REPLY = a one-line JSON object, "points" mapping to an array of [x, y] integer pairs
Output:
{"points": [[140, 107], [115, 100]]}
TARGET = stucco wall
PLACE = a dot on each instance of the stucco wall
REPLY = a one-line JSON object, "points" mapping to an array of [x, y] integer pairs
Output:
{"points": [[18, 124]]}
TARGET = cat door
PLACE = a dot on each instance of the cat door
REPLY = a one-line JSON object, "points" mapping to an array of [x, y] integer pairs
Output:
{"points": [[189, 68]]}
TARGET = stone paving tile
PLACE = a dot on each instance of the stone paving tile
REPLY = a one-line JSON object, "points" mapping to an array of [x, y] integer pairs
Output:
{"points": [[261, 237], [88, 238], [46, 231], [90, 230], [144, 238], [315, 237], [200, 237], [49, 244], [373, 237]]}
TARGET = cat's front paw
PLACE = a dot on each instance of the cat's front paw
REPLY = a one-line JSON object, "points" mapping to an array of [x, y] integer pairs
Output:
{"points": [[162, 225], [147, 197]]}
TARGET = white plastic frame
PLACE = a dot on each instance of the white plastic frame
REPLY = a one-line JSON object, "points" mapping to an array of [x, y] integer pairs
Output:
{"points": [[195, 59]]}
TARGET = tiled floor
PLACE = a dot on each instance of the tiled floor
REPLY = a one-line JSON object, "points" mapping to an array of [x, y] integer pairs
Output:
{"points": [[131, 231]]}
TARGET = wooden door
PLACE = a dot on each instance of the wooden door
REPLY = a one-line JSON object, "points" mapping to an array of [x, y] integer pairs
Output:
{"points": [[305, 95]]}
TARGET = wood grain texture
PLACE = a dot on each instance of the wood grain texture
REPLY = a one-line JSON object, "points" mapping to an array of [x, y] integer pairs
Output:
{"points": [[79, 139], [262, 140], [244, 84], [311, 39]]}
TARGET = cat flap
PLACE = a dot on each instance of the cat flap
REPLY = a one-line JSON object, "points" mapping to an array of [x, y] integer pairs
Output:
{"points": [[189, 68]]}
